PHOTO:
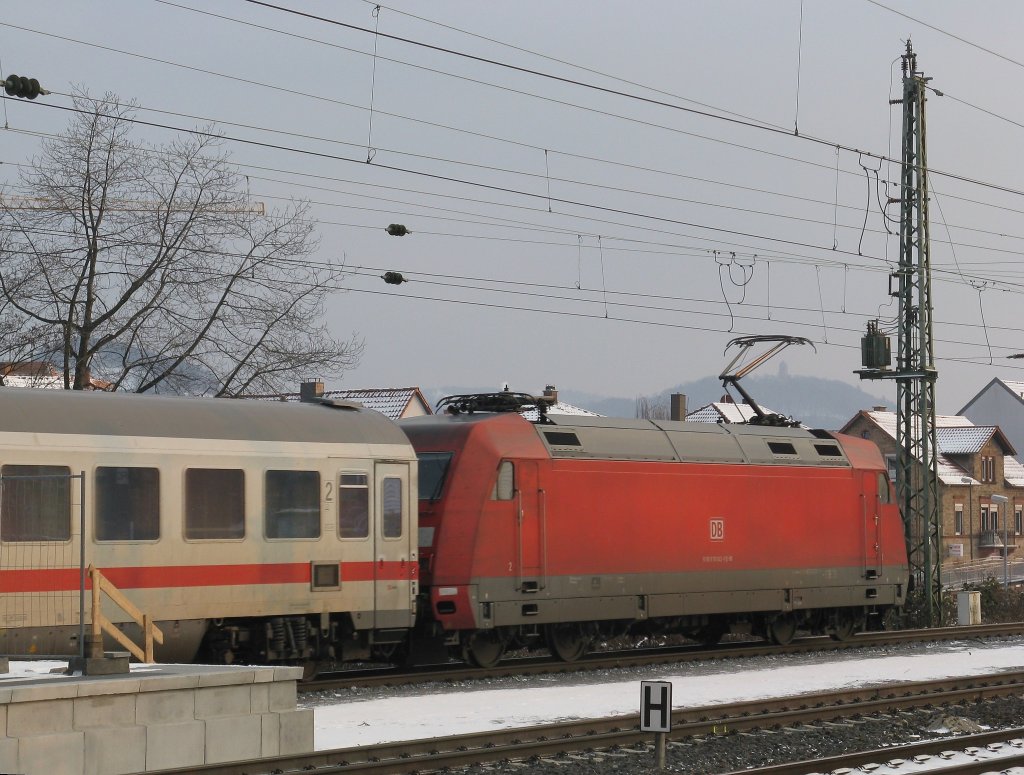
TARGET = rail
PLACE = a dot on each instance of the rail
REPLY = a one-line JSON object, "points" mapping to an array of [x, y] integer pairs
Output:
{"points": [[101, 624]]}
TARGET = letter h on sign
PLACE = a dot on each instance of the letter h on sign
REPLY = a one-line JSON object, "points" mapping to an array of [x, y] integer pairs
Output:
{"points": [[655, 706]]}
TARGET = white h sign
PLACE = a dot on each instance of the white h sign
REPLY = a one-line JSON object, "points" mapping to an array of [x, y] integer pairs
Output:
{"points": [[655, 706]]}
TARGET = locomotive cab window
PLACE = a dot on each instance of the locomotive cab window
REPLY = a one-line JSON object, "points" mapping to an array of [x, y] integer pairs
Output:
{"points": [[35, 504], [392, 511], [353, 506], [505, 484], [291, 503], [433, 472], [127, 504], [214, 503]]}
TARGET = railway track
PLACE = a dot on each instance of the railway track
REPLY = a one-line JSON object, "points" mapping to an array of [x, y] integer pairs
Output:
{"points": [[381, 677], [965, 755], [622, 732]]}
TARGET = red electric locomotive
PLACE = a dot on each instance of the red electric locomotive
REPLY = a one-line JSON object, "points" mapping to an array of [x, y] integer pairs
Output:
{"points": [[562, 529]]}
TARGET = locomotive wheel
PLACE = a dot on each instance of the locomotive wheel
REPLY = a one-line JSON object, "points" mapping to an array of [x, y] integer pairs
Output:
{"points": [[844, 628], [566, 641], [782, 629], [484, 648]]}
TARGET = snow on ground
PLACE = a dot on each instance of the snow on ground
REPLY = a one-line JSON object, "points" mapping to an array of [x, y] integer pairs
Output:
{"points": [[353, 722]]}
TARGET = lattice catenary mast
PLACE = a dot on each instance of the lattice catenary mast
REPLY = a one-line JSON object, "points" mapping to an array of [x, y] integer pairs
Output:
{"points": [[915, 374]]}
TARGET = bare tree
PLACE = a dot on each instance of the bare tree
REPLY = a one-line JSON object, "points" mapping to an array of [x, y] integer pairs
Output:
{"points": [[149, 266], [651, 409]]}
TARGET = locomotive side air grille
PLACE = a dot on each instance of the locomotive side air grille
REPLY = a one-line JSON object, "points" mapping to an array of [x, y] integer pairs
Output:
{"points": [[828, 450], [562, 439], [781, 448]]}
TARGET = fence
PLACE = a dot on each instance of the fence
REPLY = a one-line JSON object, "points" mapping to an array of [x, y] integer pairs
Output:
{"points": [[42, 558], [958, 576]]}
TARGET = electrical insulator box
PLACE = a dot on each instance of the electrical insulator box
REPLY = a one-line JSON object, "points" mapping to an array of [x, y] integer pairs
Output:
{"points": [[875, 350]]}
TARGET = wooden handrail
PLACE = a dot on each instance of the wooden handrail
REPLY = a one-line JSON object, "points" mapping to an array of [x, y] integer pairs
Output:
{"points": [[101, 624]]}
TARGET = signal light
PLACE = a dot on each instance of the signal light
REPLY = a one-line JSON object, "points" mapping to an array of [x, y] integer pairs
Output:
{"points": [[20, 86]]}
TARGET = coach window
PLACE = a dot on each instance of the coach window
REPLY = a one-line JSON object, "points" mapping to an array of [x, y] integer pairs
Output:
{"points": [[36, 503], [354, 506], [214, 503], [292, 504], [504, 486], [391, 526], [127, 504]]}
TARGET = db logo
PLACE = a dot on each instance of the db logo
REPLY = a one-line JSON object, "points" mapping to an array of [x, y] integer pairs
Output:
{"points": [[717, 529]]}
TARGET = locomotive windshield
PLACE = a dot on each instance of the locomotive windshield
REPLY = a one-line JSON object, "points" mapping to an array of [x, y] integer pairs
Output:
{"points": [[433, 470]]}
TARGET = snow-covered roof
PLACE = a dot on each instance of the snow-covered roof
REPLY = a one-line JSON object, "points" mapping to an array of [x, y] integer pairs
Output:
{"points": [[955, 435], [1014, 385], [560, 407], [963, 440], [390, 402], [1013, 471], [725, 412]]}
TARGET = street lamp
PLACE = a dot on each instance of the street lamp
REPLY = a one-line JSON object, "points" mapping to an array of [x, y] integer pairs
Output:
{"points": [[1006, 569]]}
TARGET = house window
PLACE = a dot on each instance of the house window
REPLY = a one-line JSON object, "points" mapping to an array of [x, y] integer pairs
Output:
{"points": [[988, 469], [958, 519], [993, 512], [890, 464], [984, 519], [1018, 520]]}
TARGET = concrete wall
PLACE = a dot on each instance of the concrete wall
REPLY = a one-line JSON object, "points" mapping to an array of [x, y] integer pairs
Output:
{"points": [[156, 717]]}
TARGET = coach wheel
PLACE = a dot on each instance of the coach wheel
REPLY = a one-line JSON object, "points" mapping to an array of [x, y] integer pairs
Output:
{"points": [[567, 641], [484, 648], [782, 629], [844, 627]]}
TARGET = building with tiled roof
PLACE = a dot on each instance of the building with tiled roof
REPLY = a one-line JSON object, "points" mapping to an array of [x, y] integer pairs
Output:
{"points": [[974, 463], [396, 403], [40, 374], [725, 412], [1000, 402]]}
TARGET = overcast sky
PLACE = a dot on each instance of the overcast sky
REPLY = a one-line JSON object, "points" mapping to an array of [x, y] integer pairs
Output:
{"points": [[566, 234]]}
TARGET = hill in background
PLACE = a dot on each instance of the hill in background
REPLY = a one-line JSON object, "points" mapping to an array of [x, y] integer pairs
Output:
{"points": [[814, 401]]}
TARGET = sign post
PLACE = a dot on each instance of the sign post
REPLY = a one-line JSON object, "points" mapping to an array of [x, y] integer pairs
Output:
{"points": [[656, 714]]}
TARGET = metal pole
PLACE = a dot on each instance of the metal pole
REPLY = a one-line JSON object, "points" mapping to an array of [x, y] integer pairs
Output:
{"points": [[1002, 499], [659, 747], [81, 565]]}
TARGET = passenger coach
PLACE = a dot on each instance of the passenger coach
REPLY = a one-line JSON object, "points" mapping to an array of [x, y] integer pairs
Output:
{"points": [[259, 531]]}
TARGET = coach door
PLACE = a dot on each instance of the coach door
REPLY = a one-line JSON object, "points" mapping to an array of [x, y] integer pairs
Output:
{"points": [[872, 518], [392, 536], [530, 549]]}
